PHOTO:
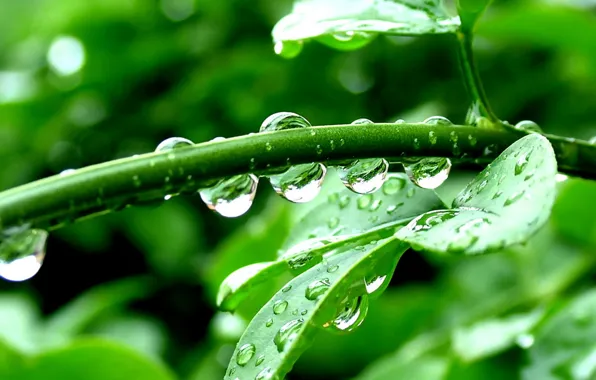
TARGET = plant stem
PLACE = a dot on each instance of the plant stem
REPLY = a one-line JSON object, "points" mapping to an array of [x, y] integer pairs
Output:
{"points": [[472, 79], [111, 186]]}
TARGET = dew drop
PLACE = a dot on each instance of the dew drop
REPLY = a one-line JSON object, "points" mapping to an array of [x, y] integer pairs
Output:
{"points": [[522, 163], [173, 143], [231, 197], [279, 307], [245, 353], [432, 218], [300, 183], [411, 192], [525, 340], [332, 268], [375, 205], [514, 198], [432, 137], [265, 374], [428, 173], [317, 288], [437, 120], [259, 360], [373, 283], [288, 49], [269, 322], [364, 201], [287, 333], [497, 194], [22, 254], [472, 139], [333, 222], [528, 126], [352, 315], [344, 200], [364, 176], [393, 185], [286, 288]]}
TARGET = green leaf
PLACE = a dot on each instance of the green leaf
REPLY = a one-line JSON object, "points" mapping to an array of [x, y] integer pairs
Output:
{"points": [[11, 361], [348, 24], [565, 342], [347, 215], [504, 205], [492, 336], [19, 322], [94, 359], [280, 331]]}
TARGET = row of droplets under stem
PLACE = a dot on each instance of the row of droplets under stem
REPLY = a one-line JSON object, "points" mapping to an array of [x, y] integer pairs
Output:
{"points": [[22, 252]]}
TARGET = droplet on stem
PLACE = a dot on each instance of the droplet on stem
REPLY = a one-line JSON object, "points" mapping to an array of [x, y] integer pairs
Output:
{"points": [[22, 254]]}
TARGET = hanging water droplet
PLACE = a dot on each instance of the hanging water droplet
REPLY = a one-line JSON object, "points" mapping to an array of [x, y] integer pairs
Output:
{"points": [[300, 183], [393, 185], [364, 201], [429, 172], [528, 126], [265, 374], [287, 333], [344, 36], [525, 340], [437, 120], [288, 49], [173, 143], [279, 307], [245, 353], [373, 283], [22, 254], [364, 176], [317, 288], [352, 315], [259, 360], [231, 197], [522, 163]]}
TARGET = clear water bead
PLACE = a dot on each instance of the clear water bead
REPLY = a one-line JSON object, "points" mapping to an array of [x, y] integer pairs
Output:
{"points": [[300, 183], [528, 126], [437, 120], [366, 175], [173, 143], [231, 197], [428, 173], [22, 254], [288, 49], [352, 315]]}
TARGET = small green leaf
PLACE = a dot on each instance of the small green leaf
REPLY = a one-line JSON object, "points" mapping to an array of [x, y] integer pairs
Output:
{"points": [[94, 359], [348, 24], [347, 214], [504, 205], [242, 281], [564, 342], [489, 337], [280, 331]]}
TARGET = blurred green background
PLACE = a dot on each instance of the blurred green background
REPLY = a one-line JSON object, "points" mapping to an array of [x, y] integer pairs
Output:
{"points": [[132, 294]]}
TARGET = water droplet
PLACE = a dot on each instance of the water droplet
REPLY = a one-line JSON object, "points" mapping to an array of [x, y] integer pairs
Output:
{"points": [[265, 374], [416, 143], [373, 283], [364, 176], [344, 36], [364, 201], [344, 200], [399, 121], [269, 322], [528, 126], [66, 172], [472, 140], [393, 185], [432, 137], [525, 340], [245, 353], [283, 120], [375, 205], [514, 198], [279, 307], [287, 333], [497, 194], [173, 143], [22, 254], [317, 288], [429, 172], [437, 120], [411, 192], [333, 222], [288, 49], [352, 315], [231, 197], [259, 360], [432, 218], [304, 312], [362, 121], [522, 163], [332, 268]]}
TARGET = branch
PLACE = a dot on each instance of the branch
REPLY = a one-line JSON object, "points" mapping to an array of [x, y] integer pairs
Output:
{"points": [[111, 186]]}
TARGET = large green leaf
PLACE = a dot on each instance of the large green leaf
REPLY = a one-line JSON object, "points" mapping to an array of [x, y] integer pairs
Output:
{"points": [[281, 330], [93, 359], [504, 205], [350, 24], [564, 345]]}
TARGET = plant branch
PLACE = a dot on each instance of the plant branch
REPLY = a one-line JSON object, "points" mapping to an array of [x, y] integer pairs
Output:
{"points": [[472, 79], [111, 186]]}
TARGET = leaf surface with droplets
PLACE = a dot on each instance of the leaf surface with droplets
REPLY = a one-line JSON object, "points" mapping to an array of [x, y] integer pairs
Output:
{"points": [[282, 329], [504, 205]]}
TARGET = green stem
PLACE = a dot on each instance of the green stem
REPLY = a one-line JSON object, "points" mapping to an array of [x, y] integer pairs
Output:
{"points": [[111, 186], [472, 78]]}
